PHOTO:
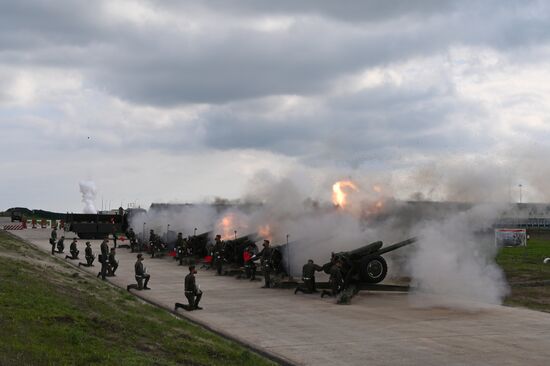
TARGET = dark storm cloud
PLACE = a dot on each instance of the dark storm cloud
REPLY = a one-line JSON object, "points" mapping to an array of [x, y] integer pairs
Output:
{"points": [[382, 123], [25, 23], [157, 65]]}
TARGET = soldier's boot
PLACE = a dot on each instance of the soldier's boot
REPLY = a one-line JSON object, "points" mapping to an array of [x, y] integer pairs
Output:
{"points": [[145, 287]]}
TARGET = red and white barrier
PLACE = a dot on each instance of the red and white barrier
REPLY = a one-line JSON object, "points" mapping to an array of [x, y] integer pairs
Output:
{"points": [[14, 227]]}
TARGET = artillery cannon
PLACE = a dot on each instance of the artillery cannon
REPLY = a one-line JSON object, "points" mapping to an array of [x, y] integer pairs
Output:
{"points": [[360, 267], [234, 249], [197, 244], [365, 264]]}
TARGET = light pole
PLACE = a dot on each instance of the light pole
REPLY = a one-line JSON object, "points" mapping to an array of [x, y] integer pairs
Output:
{"points": [[167, 231], [288, 256], [143, 233], [520, 185], [195, 232], [235, 234]]}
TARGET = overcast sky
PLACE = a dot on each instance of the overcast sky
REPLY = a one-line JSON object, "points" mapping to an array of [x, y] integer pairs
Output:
{"points": [[182, 101]]}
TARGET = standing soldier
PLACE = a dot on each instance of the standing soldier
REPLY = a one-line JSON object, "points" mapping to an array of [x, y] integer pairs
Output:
{"points": [[151, 242], [265, 261], [180, 248], [61, 244], [53, 239], [73, 250], [218, 254], [308, 276], [141, 274], [114, 238], [192, 292], [131, 235], [104, 259], [89, 255], [249, 265], [113, 263]]}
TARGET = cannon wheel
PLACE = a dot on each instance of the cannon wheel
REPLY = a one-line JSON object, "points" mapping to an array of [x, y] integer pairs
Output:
{"points": [[374, 270]]}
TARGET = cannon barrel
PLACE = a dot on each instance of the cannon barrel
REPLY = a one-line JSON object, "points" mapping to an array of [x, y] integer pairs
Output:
{"points": [[364, 250], [396, 246], [204, 235], [243, 239]]}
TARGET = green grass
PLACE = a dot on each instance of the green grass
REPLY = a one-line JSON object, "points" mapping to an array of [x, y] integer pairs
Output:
{"points": [[51, 314], [524, 265]]}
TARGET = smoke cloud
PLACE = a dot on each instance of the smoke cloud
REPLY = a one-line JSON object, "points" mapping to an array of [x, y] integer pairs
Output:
{"points": [[88, 191], [454, 257]]}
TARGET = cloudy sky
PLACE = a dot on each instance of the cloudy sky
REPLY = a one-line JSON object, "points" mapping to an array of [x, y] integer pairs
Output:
{"points": [[182, 101]]}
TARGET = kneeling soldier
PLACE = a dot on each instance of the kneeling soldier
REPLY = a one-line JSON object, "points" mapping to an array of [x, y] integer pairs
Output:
{"points": [[141, 274], [192, 292], [336, 280], [61, 244], [308, 276], [73, 249], [89, 255]]}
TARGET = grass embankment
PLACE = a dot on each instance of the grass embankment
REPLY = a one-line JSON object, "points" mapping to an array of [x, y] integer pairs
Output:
{"points": [[525, 272], [52, 314]]}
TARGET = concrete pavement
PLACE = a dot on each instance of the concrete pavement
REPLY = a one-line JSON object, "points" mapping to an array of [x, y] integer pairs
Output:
{"points": [[377, 329]]}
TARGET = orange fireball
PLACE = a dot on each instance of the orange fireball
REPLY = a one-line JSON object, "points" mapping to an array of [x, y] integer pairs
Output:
{"points": [[340, 191], [226, 227], [264, 231]]}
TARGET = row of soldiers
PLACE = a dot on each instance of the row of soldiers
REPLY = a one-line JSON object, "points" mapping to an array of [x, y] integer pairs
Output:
{"points": [[107, 258], [109, 265], [155, 244]]}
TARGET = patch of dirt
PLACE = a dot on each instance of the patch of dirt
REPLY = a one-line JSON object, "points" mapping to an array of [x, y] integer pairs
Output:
{"points": [[66, 319]]}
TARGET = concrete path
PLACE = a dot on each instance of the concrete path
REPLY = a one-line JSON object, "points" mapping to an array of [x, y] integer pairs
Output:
{"points": [[377, 329]]}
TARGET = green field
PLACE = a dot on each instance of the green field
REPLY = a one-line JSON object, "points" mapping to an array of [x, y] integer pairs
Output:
{"points": [[52, 314], [525, 272]]}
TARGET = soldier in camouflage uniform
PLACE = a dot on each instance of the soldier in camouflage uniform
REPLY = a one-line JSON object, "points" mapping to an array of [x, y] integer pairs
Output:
{"points": [[53, 239], [61, 244], [192, 292], [89, 255], [308, 276], [73, 250], [104, 258]]}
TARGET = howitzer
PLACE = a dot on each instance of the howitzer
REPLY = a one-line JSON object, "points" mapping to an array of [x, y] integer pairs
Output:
{"points": [[197, 244], [276, 261], [365, 264], [234, 249]]}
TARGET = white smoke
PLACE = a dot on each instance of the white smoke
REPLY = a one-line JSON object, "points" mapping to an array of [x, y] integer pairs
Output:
{"points": [[454, 258], [88, 191], [184, 219]]}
